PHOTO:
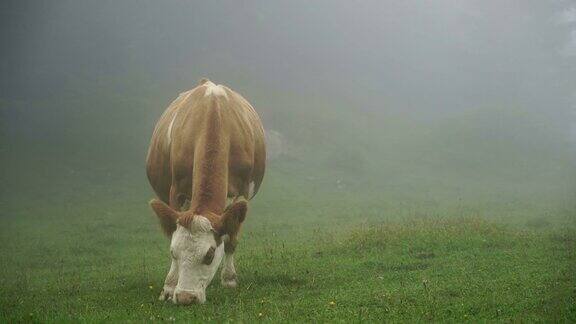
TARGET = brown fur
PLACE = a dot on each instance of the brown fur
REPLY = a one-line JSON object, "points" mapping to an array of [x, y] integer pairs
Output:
{"points": [[216, 150], [232, 220]]}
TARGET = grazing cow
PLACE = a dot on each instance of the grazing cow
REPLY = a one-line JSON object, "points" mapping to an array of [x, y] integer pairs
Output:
{"points": [[206, 160]]}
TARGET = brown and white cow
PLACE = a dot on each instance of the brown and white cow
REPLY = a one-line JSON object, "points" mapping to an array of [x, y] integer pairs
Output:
{"points": [[207, 149]]}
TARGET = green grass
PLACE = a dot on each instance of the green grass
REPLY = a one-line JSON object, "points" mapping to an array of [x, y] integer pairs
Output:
{"points": [[449, 223], [101, 257], [469, 218]]}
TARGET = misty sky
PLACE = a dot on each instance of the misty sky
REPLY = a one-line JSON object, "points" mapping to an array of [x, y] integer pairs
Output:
{"points": [[418, 55], [416, 94]]}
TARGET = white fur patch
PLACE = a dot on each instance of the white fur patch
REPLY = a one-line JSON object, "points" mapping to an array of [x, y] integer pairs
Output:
{"points": [[225, 238], [229, 201], [200, 224], [169, 133], [251, 190], [214, 90]]}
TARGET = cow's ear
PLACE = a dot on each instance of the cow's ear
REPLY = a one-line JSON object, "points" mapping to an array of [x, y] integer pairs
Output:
{"points": [[166, 215], [233, 217]]}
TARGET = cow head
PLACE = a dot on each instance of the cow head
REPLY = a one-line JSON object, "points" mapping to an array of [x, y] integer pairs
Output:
{"points": [[196, 248]]}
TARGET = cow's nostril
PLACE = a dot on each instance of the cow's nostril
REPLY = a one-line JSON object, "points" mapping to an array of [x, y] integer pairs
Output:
{"points": [[186, 298]]}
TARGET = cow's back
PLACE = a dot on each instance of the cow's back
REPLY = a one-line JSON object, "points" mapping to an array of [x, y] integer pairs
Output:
{"points": [[186, 124]]}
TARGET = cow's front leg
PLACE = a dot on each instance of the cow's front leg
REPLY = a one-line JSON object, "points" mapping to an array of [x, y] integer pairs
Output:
{"points": [[228, 274], [235, 215], [170, 282]]}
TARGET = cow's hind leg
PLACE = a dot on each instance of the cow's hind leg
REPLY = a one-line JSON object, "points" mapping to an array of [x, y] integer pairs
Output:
{"points": [[178, 197]]}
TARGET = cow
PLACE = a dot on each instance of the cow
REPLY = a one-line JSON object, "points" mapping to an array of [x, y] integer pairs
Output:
{"points": [[206, 160]]}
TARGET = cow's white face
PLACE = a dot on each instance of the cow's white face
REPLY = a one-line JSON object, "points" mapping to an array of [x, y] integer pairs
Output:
{"points": [[197, 247], [196, 255]]}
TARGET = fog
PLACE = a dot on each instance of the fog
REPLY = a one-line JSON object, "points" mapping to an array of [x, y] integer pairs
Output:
{"points": [[459, 104]]}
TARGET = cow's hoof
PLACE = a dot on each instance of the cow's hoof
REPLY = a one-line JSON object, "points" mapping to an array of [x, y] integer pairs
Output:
{"points": [[229, 283], [166, 293]]}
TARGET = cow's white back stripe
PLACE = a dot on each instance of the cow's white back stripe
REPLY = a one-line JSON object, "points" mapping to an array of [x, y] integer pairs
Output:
{"points": [[215, 90], [169, 133]]}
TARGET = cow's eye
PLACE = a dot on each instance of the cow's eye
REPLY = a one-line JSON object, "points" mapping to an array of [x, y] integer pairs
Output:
{"points": [[209, 257]]}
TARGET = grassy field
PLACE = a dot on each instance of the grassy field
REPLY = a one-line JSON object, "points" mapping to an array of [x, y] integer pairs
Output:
{"points": [[364, 219], [98, 255], [421, 160]]}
